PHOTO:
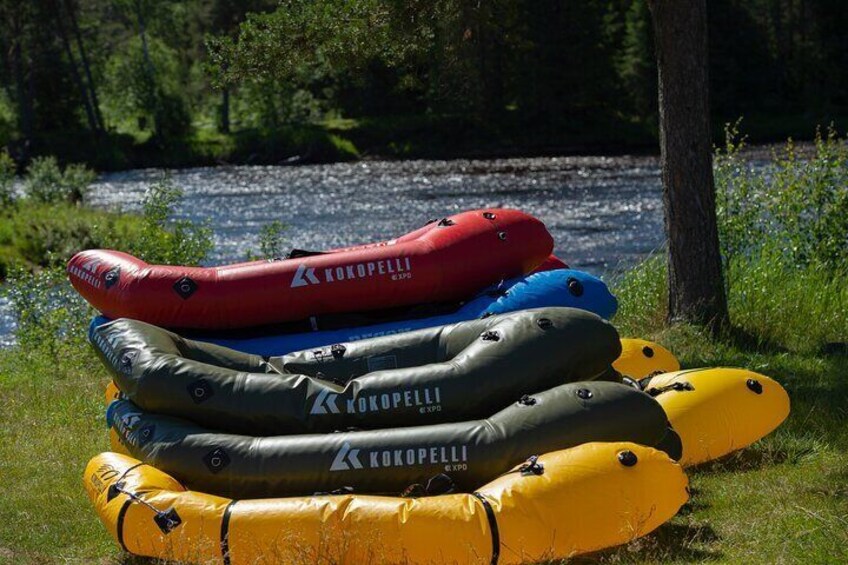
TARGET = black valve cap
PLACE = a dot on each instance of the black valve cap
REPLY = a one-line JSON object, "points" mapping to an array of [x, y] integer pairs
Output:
{"points": [[527, 400], [491, 336], [754, 386], [627, 458], [200, 390], [575, 287], [216, 460], [544, 323]]}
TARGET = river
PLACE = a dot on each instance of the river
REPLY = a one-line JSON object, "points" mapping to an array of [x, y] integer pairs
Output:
{"points": [[603, 212]]}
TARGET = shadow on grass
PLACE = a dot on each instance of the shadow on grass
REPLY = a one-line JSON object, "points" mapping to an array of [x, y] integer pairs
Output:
{"points": [[671, 541], [749, 342]]}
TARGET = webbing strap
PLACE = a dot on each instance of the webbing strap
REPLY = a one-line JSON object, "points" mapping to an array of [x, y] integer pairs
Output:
{"points": [[120, 526], [225, 532], [493, 526], [123, 511]]}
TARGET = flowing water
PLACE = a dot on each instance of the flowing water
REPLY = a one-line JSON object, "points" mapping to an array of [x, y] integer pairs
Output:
{"points": [[604, 212]]}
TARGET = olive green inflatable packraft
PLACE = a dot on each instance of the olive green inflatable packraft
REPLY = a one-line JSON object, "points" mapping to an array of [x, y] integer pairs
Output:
{"points": [[451, 373], [471, 453]]}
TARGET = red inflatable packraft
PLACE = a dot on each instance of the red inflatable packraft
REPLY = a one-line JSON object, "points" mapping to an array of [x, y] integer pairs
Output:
{"points": [[447, 260]]}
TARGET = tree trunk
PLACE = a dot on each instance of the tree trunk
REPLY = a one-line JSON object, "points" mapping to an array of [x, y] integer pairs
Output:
{"points": [[71, 9], [149, 69], [695, 283], [89, 111], [24, 88]]}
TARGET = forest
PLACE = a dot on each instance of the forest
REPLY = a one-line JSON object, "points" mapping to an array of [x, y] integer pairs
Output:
{"points": [[129, 83]]}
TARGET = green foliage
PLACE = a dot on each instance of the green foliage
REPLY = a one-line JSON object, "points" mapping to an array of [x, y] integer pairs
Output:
{"points": [[478, 77], [169, 241], [273, 240], [802, 307], [784, 237], [642, 293], [151, 91], [48, 183], [43, 235], [798, 204], [7, 118], [7, 180], [299, 35], [634, 61], [48, 312]]}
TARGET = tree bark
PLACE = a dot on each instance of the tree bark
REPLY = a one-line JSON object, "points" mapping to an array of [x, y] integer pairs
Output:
{"points": [[149, 69], [92, 89], [695, 281], [66, 43], [24, 87]]}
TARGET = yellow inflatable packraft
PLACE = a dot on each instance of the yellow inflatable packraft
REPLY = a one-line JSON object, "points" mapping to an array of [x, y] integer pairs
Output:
{"points": [[717, 411], [641, 358], [583, 499]]}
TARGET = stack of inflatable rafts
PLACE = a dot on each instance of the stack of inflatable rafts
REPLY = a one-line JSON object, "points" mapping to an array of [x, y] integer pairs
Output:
{"points": [[455, 395]]}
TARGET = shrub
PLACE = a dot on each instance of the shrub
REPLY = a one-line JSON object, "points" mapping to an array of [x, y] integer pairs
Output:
{"points": [[7, 180], [46, 182], [801, 202], [165, 240], [272, 240]]}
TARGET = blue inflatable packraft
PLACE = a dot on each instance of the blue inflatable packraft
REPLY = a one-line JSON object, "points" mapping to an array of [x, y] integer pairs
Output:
{"points": [[559, 287]]}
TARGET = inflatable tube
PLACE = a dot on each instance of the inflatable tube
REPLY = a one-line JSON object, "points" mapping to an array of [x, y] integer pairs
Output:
{"points": [[579, 500], [718, 411], [470, 453], [445, 261], [451, 373], [560, 287], [641, 358]]}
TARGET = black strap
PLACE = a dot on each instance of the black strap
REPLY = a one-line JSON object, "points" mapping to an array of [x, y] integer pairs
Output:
{"points": [[297, 253], [678, 386], [123, 511], [493, 526], [121, 514], [225, 532]]}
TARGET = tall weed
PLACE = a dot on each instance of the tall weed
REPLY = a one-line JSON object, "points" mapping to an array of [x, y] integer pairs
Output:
{"points": [[797, 201], [783, 230]]}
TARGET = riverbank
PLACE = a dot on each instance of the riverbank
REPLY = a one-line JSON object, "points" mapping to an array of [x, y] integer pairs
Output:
{"points": [[392, 137]]}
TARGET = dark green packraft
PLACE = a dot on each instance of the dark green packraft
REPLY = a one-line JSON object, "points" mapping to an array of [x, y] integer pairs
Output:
{"points": [[388, 461], [451, 373]]}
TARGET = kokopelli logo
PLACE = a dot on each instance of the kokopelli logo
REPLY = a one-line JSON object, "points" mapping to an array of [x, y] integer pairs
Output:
{"points": [[325, 403], [399, 268], [88, 272], [130, 420], [346, 459]]}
